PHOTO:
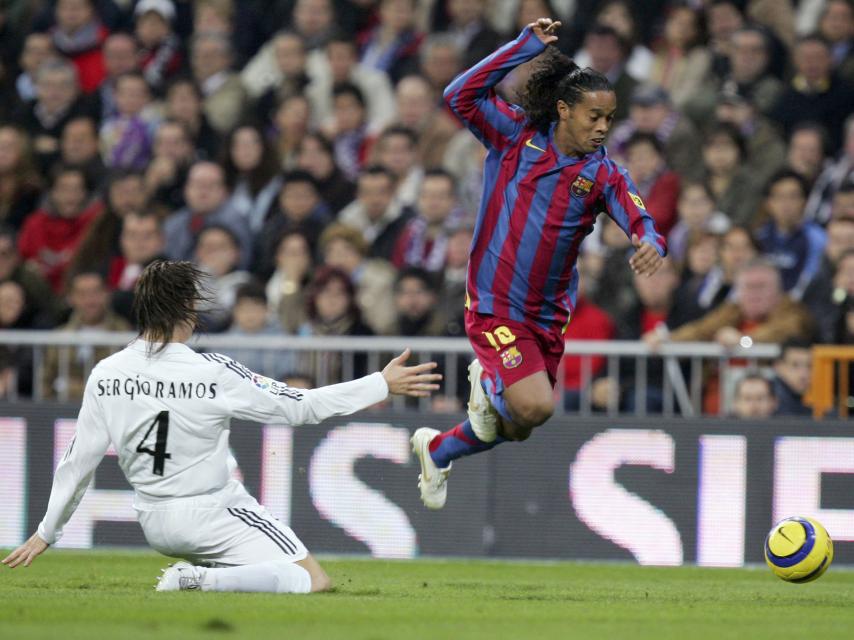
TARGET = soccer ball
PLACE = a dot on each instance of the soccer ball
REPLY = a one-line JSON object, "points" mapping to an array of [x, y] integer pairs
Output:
{"points": [[798, 550]]}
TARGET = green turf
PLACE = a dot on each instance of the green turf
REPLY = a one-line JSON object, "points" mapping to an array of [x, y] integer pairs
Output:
{"points": [[77, 595]]}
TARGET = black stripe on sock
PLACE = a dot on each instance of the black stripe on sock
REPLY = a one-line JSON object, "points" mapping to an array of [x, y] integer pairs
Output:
{"points": [[269, 526], [277, 542]]}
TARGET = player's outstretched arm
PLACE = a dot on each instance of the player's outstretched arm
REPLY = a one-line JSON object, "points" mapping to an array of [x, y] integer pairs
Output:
{"points": [[417, 381], [26, 553]]}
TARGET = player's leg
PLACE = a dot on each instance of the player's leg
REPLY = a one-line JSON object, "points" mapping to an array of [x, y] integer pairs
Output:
{"points": [[232, 549], [529, 403]]}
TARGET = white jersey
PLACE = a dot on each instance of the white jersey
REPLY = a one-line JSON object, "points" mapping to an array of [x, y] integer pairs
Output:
{"points": [[168, 417]]}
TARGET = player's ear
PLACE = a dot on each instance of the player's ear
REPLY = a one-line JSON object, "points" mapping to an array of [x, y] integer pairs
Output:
{"points": [[563, 110]]}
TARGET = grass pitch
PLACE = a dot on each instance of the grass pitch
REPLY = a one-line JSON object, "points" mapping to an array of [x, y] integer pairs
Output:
{"points": [[77, 595]]}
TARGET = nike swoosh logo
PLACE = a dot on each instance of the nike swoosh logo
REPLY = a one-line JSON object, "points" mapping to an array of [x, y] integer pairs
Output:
{"points": [[530, 143]]}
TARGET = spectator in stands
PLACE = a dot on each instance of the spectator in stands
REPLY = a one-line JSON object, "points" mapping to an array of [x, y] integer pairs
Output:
{"points": [[79, 35], [452, 293], [837, 27], [723, 19], [842, 206], [167, 172], [20, 183], [610, 284], [45, 305], [291, 124], [332, 310], [834, 175], [397, 151], [314, 20], [805, 154], [760, 310], [50, 235], [125, 194], [793, 370], [657, 185], [736, 194], [345, 248], [160, 51], [464, 158], [375, 212], [16, 361], [349, 129], [141, 242], [424, 240], [341, 64], [126, 138], [184, 103], [206, 194], [748, 58], [620, 16], [786, 240], [828, 300], [764, 149], [754, 398], [441, 60], [317, 157], [392, 46], [415, 305], [90, 311], [608, 52], [211, 57], [696, 212], [650, 111], [701, 261], [120, 57], [252, 174], [589, 322], [57, 102], [286, 288], [472, 32], [417, 109], [79, 147], [681, 62], [217, 253], [814, 93], [292, 77], [300, 207], [38, 48], [251, 318]]}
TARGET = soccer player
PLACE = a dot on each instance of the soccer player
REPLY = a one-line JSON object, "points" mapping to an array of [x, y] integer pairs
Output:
{"points": [[546, 177], [166, 410]]}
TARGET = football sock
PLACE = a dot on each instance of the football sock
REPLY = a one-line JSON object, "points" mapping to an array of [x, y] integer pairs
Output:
{"points": [[458, 442], [270, 577]]}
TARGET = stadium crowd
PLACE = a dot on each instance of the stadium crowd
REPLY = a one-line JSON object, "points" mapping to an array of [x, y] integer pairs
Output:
{"points": [[300, 152]]}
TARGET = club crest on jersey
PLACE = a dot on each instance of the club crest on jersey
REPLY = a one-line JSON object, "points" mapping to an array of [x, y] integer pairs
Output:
{"points": [[581, 187], [511, 358]]}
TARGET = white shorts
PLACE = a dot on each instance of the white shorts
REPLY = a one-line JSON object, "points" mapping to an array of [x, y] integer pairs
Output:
{"points": [[225, 529]]}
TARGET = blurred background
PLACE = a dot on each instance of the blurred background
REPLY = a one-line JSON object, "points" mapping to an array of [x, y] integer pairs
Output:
{"points": [[299, 152]]}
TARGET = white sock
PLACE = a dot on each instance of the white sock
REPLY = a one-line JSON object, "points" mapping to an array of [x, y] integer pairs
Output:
{"points": [[269, 577]]}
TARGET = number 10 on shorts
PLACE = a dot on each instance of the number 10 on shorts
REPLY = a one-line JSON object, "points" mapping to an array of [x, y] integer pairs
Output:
{"points": [[500, 337]]}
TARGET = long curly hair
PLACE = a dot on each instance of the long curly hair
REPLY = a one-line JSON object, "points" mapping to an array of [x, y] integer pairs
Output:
{"points": [[557, 77]]}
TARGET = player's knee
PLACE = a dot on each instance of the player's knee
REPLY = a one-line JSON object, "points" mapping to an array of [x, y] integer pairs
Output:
{"points": [[516, 433], [532, 412]]}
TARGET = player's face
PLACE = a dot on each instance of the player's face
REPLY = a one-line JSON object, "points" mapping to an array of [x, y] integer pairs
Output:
{"points": [[585, 124]]}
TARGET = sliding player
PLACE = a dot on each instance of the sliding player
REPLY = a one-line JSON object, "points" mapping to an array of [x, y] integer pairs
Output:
{"points": [[546, 177], [166, 410]]}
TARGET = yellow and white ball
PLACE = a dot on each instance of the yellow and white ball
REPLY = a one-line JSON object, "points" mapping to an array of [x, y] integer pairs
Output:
{"points": [[798, 550]]}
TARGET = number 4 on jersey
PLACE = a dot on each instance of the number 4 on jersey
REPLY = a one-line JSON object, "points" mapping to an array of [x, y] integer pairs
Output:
{"points": [[159, 452]]}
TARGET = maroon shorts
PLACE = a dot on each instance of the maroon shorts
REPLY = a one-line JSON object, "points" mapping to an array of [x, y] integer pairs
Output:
{"points": [[510, 350]]}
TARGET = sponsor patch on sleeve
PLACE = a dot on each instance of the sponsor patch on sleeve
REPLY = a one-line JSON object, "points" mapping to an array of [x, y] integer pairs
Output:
{"points": [[637, 200]]}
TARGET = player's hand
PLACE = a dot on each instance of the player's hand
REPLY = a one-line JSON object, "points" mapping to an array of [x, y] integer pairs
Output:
{"points": [[544, 29], [415, 381], [26, 553], [646, 260]]}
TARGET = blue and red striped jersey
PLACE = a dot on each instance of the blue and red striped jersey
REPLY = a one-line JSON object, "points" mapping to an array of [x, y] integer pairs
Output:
{"points": [[537, 204]]}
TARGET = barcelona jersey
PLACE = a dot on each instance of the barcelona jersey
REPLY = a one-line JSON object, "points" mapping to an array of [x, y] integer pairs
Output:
{"points": [[537, 204]]}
